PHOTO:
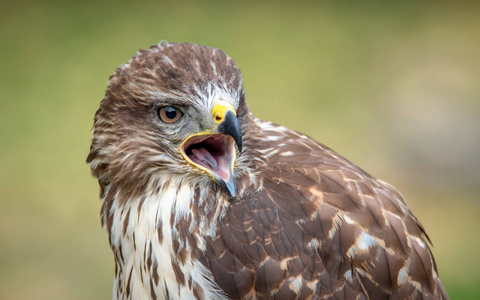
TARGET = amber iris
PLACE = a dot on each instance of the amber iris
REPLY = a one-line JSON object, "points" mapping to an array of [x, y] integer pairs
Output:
{"points": [[169, 114]]}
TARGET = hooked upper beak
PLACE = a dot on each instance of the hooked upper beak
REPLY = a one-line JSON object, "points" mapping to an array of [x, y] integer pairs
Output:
{"points": [[230, 126], [213, 151]]}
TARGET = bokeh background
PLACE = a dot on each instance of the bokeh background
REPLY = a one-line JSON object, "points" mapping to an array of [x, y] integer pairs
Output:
{"points": [[392, 85]]}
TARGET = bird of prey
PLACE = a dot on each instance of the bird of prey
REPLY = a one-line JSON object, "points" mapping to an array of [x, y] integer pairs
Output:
{"points": [[202, 200]]}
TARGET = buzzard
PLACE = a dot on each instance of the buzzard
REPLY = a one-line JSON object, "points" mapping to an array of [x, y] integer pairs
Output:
{"points": [[202, 200]]}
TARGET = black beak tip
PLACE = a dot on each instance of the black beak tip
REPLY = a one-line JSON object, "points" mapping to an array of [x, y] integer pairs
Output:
{"points": [[239, 144]]}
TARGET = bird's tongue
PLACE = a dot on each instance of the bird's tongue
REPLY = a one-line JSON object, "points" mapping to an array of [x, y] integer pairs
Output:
{"points": [[206, 158], [214, 153]]}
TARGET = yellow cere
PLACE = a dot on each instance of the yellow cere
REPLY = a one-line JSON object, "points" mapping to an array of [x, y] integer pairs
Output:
{"points": [[219, 111]]}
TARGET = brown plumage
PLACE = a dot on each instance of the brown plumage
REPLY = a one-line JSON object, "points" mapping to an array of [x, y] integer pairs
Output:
{"points": [[202, 200]]}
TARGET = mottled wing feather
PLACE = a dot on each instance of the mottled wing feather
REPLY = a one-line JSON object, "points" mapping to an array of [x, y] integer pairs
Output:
{"points": [[317, 226]]}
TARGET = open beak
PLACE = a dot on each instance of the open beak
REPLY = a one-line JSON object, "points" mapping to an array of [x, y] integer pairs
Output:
{"points": [[214, 151]]}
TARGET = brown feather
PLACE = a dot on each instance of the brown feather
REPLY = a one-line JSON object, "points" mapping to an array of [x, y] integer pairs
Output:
{"points": [[306, 223]]}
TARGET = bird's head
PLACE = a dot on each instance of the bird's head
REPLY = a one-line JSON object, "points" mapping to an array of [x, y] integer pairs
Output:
{"points": [[173, 109]]}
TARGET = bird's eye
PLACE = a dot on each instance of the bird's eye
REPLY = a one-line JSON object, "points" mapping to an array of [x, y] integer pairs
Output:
{"points": [[169, 114]]}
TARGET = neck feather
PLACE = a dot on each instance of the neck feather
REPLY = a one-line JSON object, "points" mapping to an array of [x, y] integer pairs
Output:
{"points": [[157, 237]]}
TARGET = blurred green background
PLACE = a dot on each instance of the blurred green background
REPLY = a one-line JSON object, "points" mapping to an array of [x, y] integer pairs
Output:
{"points": [[394, 87]]}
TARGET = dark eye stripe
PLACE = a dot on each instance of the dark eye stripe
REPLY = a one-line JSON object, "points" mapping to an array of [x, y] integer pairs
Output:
{"points": [[169, 114]]}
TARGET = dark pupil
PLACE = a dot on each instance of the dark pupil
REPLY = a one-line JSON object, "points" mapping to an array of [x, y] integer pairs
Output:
{"points": [[170, 112]]}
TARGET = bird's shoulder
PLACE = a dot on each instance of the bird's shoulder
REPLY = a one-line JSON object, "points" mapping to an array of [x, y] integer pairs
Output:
{"points": [[309, 219]]}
